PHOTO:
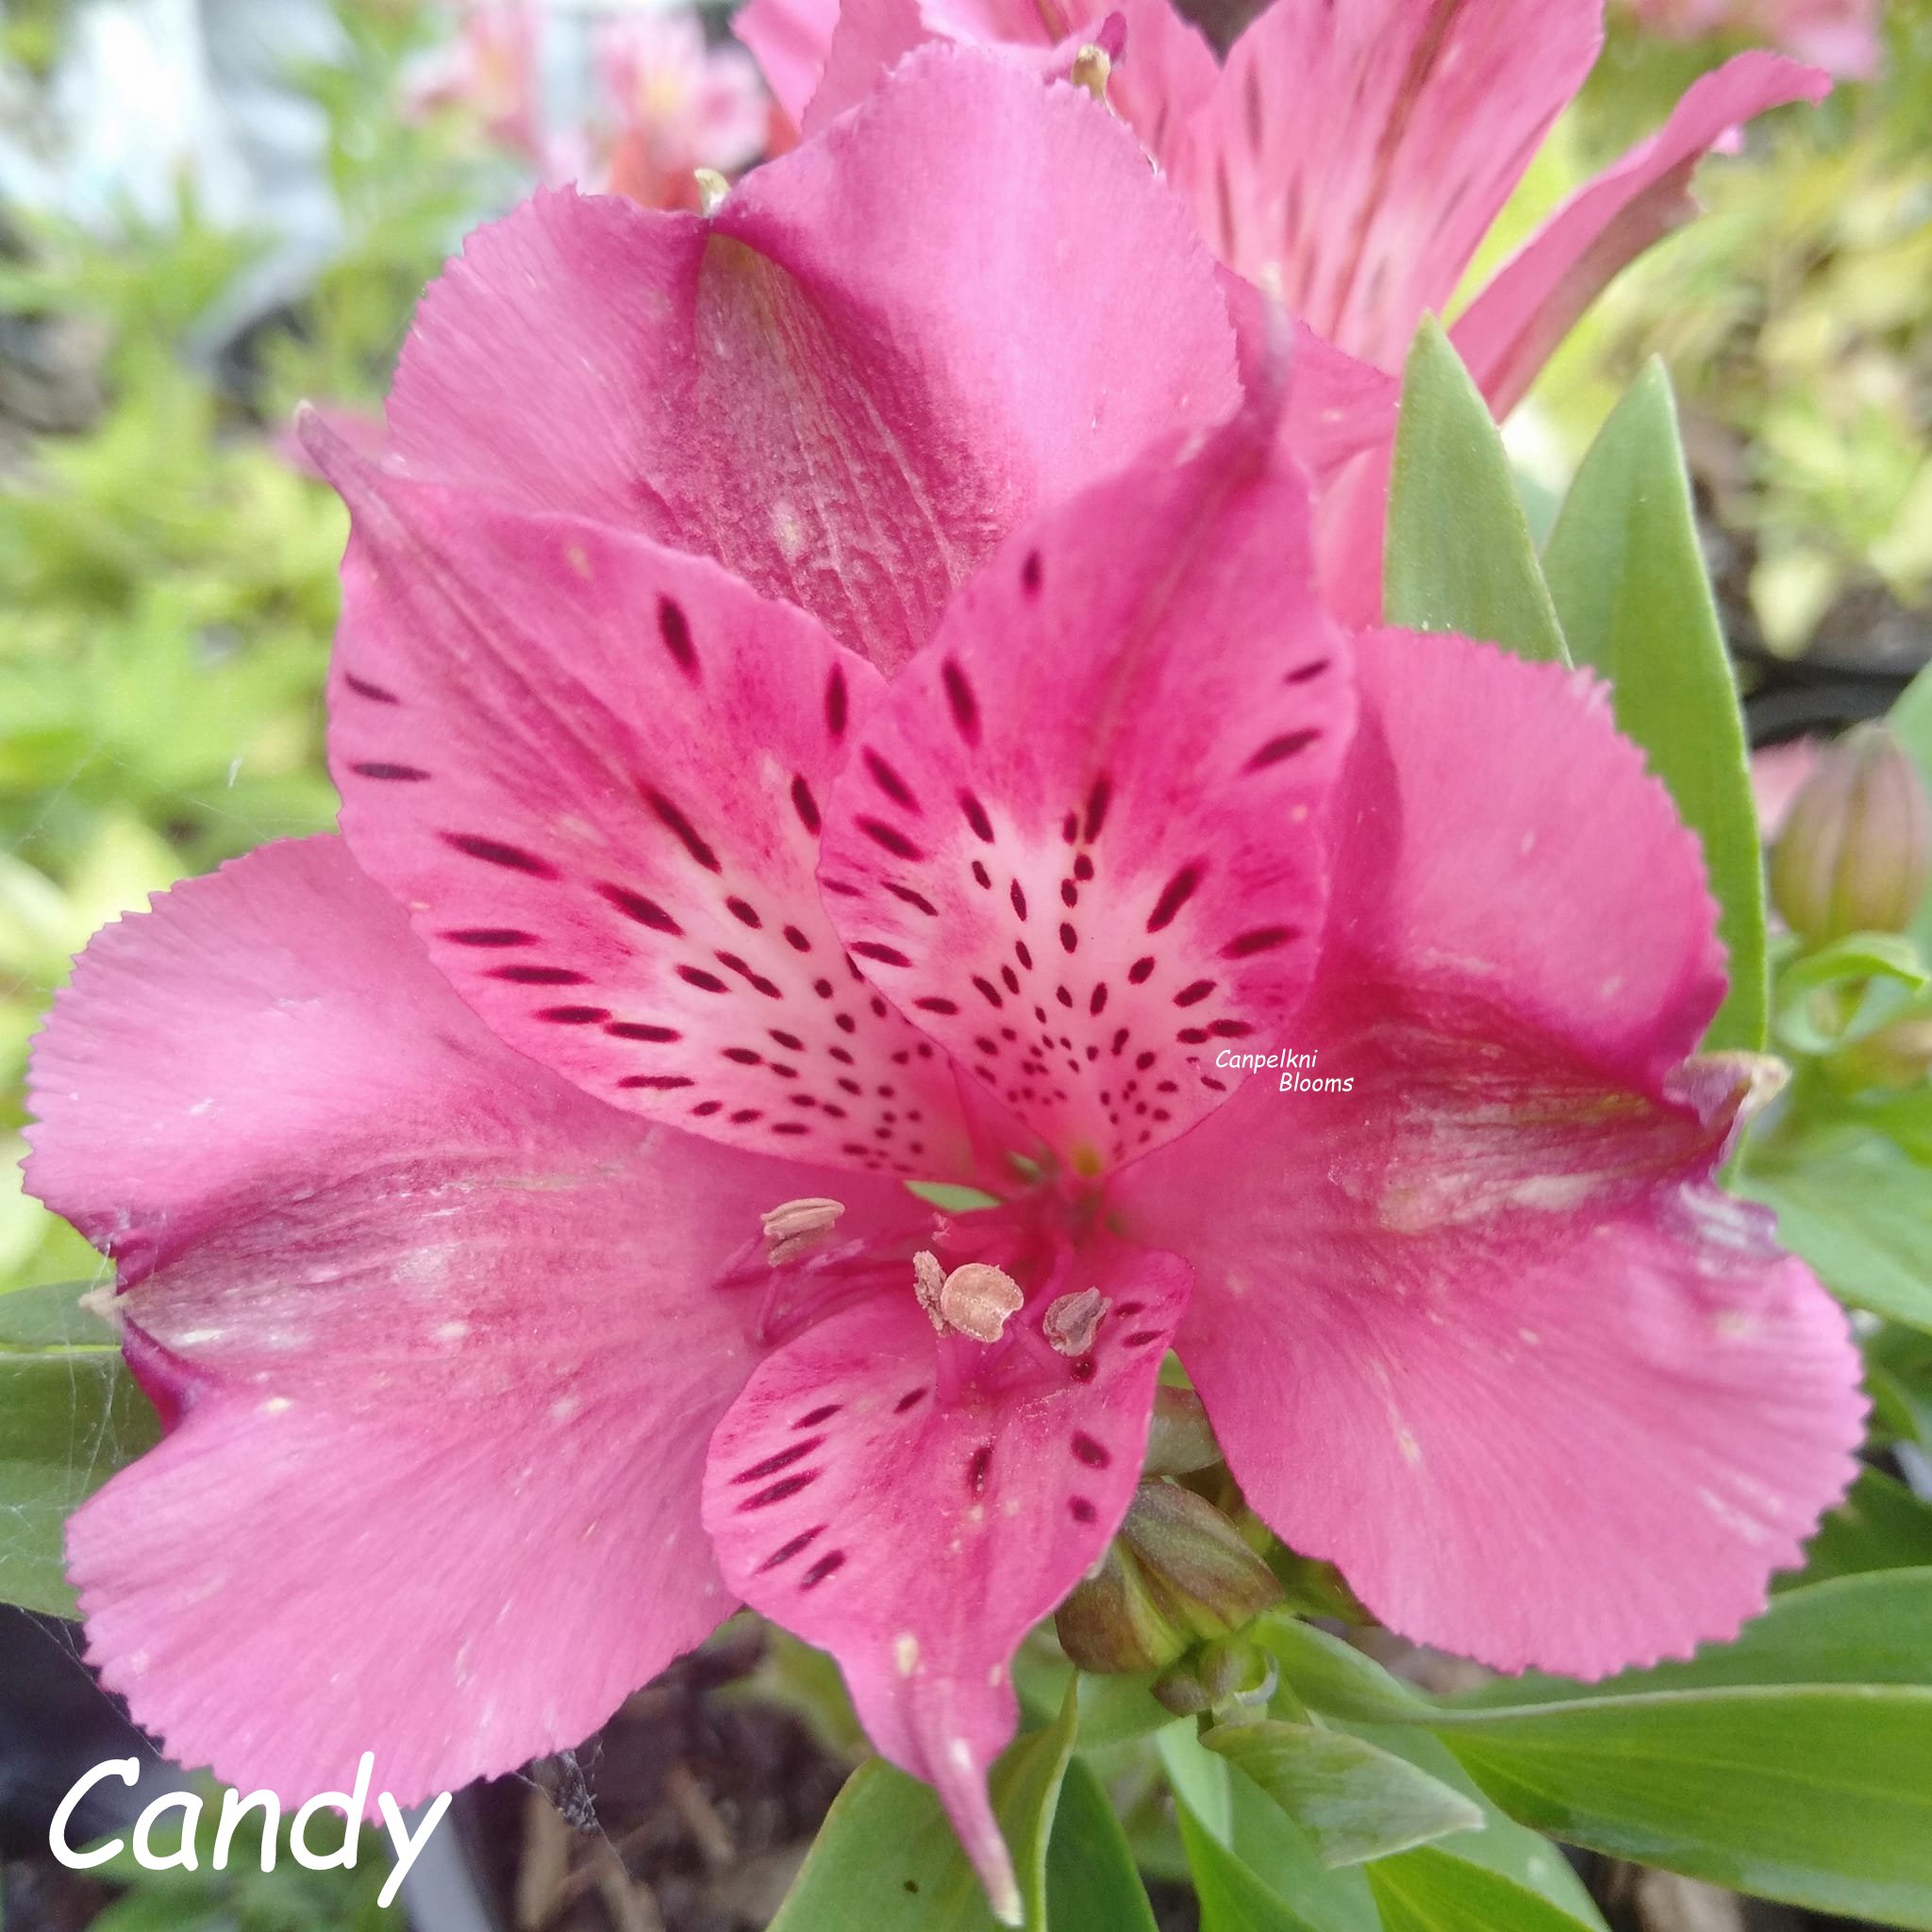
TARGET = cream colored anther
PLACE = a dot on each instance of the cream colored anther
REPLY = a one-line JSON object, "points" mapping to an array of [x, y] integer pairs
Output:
{"points": [[1073, 1321], [795, 1227], [976, 1299]]}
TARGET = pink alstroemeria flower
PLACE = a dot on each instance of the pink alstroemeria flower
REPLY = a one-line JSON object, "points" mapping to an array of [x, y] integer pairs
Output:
{"points": [[509, 1199], [491, 66], [1349, 157]]}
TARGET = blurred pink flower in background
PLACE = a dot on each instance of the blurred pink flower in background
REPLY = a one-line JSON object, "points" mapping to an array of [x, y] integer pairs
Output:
{"points": [[677, 106], [490, 67], [653, 102], [1840, 35]]}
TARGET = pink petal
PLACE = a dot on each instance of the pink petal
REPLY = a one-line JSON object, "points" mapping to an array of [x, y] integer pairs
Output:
{"points": [[1163, 71], [594, 770], [789, 40], [1356, 156], [1510, 330], [1166, 74], [1510, 846], [1338, 409], [871, 37], [879, 356], [1081, 838], [917, 1532], [433, 1329], [1480, 1328]]}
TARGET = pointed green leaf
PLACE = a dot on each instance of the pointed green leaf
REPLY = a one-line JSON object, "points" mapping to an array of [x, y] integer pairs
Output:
{"points": [[1457, 555], [1821, 1796], [1795, 1762], [886, 1858], [1881, 1527], [1232, 1898], [1092, 1884], [1628, 579], [70, 1416], [1525, 1858], [1355, 1802], [1429, 1891], [1273, 1850], [1336, 1679]]}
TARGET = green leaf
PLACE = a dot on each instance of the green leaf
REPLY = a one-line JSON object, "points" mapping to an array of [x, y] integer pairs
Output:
{"points": [[1859, 1210], [1232, 1898], [1880, 1527], [70, 1416], [1090, 1882], [1457, 555], [1856, 959], [1274, 1851], [1335, 1677], [1523, 1857], [1873, 1628], [1429, 1891], [1795, 1762], [1628, 575], [886, 1857], [1355, 1801], [1819, 1796], [950, 1198]]}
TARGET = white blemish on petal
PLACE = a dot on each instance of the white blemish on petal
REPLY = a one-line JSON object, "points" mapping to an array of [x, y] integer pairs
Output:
{"points": [[1613, 985], [1411, 1449], [1733, 1519], [277, 1404], [564, 1408], [960, 1752], [905, 1653], [452, 1331]]}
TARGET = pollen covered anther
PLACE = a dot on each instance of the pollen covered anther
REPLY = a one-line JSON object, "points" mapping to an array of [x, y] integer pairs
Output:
{"points": [[1090, 71], [795, 1227], [976, 1299], [1073, 1321]]}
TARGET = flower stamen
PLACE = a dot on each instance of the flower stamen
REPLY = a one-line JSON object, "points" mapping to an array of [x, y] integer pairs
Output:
{"points": [[976, 1299], [1073, 1321], [795, 1227]]}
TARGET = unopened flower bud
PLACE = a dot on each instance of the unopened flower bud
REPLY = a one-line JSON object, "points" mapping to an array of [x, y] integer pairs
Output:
{"points": [[1179, 1439], [1854, 848], [1898, 1055], [1178, 1574]]}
